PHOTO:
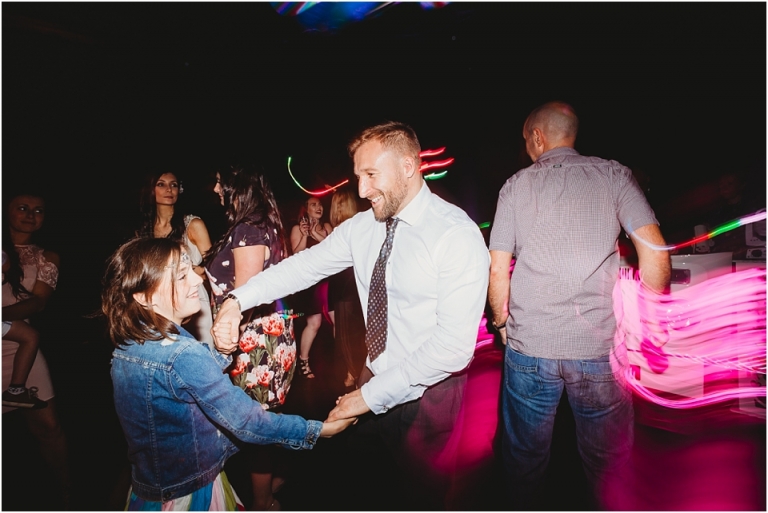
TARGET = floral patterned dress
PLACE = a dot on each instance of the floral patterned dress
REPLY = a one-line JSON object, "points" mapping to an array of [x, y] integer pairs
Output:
{"points": [[265, 367], [265, 362]]}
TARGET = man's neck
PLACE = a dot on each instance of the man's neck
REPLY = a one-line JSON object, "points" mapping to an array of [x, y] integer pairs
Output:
{"points": [[554, 146], [410, 196]]}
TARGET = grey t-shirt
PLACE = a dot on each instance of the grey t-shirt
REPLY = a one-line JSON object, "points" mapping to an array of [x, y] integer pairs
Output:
{"points": [[561, 218]]}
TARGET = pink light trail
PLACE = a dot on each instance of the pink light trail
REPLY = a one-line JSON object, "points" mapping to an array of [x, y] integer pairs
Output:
{"points": [[715, 330]]}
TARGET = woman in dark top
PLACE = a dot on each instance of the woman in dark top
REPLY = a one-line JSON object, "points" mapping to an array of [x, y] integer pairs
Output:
{"points": [[253, 242], [310, 231]]}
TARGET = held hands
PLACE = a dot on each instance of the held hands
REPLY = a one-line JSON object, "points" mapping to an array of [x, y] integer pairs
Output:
{"points": [[349, 406], [226, 327], [347, 409], [335, 427]]}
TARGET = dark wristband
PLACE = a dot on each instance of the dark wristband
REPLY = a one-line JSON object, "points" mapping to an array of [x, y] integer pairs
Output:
{"points": [[234, 297], [498, 327]]}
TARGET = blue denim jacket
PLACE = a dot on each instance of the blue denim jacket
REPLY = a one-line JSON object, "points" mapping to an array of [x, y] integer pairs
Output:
{"points": [[181, 415]]}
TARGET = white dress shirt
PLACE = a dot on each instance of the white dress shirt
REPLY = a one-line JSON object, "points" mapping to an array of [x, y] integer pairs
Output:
{"points": [[437, 278]]}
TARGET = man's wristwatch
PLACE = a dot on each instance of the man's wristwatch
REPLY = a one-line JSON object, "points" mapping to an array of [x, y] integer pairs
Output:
{"points": [[499, 326], [234, 297]]}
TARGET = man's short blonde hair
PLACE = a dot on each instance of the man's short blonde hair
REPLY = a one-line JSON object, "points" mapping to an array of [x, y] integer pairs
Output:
{"points": [[393, 135]]}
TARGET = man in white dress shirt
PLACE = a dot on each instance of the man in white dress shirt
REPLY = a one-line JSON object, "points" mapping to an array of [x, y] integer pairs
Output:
{"points": [[436, 280]]}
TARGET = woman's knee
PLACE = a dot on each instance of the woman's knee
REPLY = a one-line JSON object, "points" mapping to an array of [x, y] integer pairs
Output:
{"points": [[314, 321], [44, 424]]}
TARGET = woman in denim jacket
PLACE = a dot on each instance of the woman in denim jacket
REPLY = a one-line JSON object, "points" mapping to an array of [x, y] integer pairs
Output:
{"points": [[181, 416]]}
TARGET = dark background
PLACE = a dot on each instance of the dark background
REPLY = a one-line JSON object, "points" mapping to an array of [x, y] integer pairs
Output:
{"points": [[95, 95]]}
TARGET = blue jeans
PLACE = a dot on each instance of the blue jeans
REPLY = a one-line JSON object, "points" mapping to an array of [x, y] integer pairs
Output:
{"points": [[601, 406]]}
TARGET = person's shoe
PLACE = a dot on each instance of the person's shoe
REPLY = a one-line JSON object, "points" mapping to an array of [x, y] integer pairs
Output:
{"points": [[305, 370], [26, 399]]}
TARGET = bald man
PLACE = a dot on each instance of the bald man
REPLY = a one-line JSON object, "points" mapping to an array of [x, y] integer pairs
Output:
{"points": [[560, 219]]}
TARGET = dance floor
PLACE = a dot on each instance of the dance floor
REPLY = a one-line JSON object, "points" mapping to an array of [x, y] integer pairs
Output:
{"points": [[717, 466]]}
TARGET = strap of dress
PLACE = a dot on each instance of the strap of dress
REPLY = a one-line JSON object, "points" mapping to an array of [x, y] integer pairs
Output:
{"points": [[188, 219]]}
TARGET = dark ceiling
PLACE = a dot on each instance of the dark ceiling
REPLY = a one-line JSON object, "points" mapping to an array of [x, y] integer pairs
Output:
{"points": [[106, 91]]}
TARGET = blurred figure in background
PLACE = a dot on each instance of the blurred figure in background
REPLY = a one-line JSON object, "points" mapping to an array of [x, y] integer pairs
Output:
{"points": [[164, 215], [17, 395], [343, 300], [28, 284], [310, 230], [737, 199]]}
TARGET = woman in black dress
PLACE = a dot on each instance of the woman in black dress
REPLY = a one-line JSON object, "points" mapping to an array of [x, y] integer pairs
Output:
{"points": [[310, 230]]}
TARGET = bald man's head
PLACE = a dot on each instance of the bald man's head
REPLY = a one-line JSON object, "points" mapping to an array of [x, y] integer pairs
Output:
{"points": [[552, 125]]}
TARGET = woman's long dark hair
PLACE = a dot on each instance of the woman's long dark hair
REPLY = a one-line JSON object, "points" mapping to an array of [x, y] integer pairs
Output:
{"points": [[248, 198], [15, 274], [148, 208]]}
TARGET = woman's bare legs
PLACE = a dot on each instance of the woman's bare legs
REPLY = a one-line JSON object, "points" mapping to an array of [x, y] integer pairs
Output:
{"points": [[314, 322], [262, 491], [27, 338], [44, 425], [263, 482]]}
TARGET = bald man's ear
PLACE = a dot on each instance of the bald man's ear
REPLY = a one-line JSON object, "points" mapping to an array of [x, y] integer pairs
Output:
{"points": [[538, 138]]}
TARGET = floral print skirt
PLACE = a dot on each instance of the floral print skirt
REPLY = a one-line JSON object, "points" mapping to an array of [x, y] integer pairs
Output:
{"points": [[266, 360]]}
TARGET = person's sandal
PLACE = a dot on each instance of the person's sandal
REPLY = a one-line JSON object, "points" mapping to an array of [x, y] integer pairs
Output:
{"points": [[305, 370]]}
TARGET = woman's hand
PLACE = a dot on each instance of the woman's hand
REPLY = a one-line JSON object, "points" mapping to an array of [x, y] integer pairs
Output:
{"points": [[335, 427], [317, 231], [226, 327], [304, 227], [37, 299], [349, 406]]}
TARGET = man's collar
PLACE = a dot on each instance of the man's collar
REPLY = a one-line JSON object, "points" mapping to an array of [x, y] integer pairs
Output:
{"points": [[557, 152], [412, 211]]}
